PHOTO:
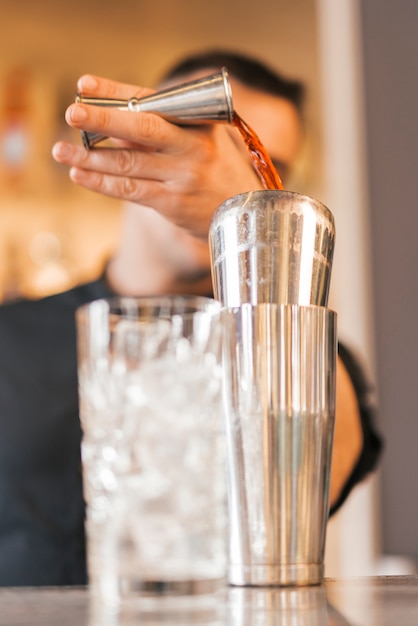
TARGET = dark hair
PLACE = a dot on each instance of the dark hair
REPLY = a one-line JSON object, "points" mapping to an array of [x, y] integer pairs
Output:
{"points": [[251, 72]]}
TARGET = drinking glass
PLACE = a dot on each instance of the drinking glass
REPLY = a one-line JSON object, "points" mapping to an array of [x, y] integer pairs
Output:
{"points": [[153, 446]]}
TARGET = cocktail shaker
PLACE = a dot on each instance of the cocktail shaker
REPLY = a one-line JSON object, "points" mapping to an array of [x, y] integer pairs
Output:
{"points": [[205, 100], [280, 375], [271, 257], [272, 246]]}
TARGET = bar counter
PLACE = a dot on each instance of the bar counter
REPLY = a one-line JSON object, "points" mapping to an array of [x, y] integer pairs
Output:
{"points": [[374, 601]]}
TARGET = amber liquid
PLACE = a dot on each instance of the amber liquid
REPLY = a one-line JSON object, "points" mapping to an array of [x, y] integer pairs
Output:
{"points": [[260, 159]]}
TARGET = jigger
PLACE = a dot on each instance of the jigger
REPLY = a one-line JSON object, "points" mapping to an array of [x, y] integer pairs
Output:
{"points": [[205, 100]]}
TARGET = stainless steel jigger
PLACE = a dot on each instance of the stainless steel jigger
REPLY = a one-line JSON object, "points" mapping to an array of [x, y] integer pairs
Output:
{"points": [[201, 101]]}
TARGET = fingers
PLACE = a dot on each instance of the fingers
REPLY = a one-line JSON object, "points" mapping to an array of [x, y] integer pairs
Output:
{"points": [[157, 195], [130, 175], [118, 162], [126, 187], [90, 85], [145, 129]]}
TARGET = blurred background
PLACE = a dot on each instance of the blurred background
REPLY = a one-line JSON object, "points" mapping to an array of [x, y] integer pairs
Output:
{"points": [[358, 61]]}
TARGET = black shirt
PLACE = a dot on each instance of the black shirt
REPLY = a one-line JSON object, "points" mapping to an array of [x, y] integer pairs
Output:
{"points": [[41, 502]]}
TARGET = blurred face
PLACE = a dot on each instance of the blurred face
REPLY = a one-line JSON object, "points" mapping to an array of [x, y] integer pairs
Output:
{"points": [[275, 120]]}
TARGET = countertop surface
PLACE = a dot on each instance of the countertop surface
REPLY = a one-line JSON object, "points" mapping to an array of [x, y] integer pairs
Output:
{"points": [[374, 601]]}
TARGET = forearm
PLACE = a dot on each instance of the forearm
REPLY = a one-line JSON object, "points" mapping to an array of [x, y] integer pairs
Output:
{"points": [[348, 437], [154, 256]]}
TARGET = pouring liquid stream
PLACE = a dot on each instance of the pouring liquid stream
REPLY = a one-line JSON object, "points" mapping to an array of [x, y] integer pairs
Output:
{"points": [[260, 159]]}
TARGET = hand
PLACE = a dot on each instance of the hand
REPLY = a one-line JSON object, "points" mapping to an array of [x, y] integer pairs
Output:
{"points": [[183, 173]]}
